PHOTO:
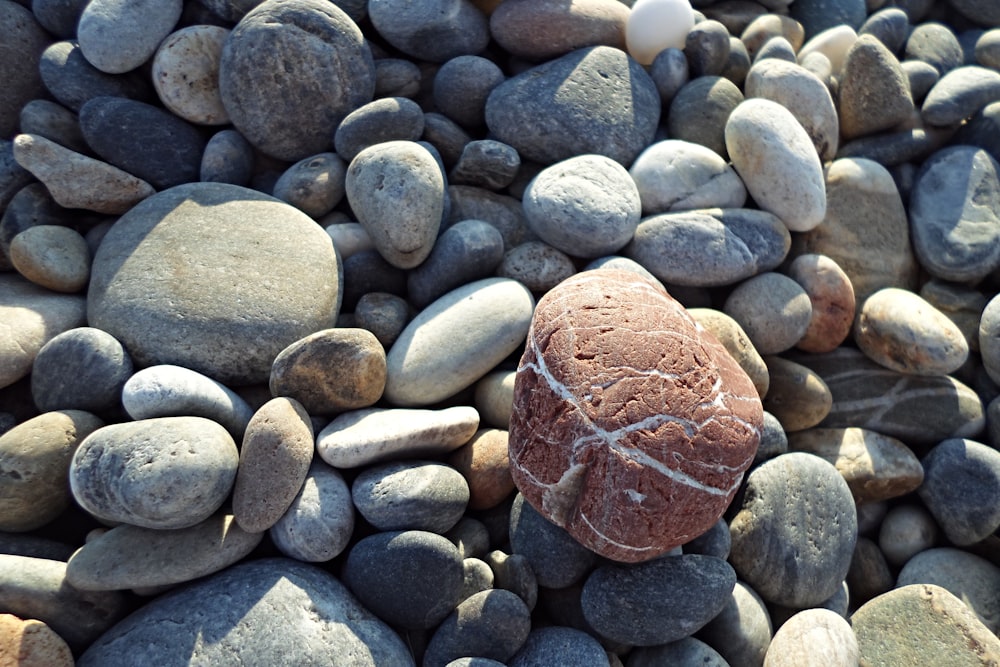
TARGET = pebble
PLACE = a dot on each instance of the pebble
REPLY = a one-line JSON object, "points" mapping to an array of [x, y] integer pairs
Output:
{"points": [[331, 371], [314, 185], [502, 211], [80, 369], [773, 439], [228, 158], [290, 276], [890, 25], [471, 538], [585, 206], [174, 391], [794, 533], [236, 604], [687, 651], [669, 71], [185, 73], [873, 94], [972, 579], [961, 304], [706, 48], [331, 72], [959, 94], [869, 575], [385, 315], [349, 238], [52, 256], [77, 181], [713, 542], [410, 579], [430, 362], [512, 572], [446, 136], [819, 15], [544, 30], [536, 265], [656, 25], [59, 17], [458, 28], [396, 77], [737, 343], [575, 105], [31, 643], [462, 84], [379, 121], [275, 455], [486, 163], [484, 464], [776, 48], [813, 638], [906, 530], [935, 44], [989, 338], [922, 624], [164, 473], [411, 495], [555, 557], [659, 601], [365, 272], [53, 121], [700, 111], [797, 396], [834, 43], [832, 297], [773, 310], [966, 513], [875, 466], [36, 588], [742, 631], [921, 77], [72, 80], [25, 40], [117, 37], [556, 644], [34, 465], [373, 435], [466, 251], [318, 524], [476, 577], [674, 175], [987, 49], [492, 624], [34, 316]]}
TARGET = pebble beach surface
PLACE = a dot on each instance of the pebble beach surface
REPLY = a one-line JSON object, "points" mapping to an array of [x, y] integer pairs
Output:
{"points": [[466, 333]]}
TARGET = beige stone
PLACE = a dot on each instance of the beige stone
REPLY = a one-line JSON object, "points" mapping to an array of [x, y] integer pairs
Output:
{"points": [[31, 643]]}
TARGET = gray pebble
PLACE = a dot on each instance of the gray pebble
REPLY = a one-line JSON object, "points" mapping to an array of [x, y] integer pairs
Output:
{"points": [[53, 121], [396, 77], [971, 578], [773, 440], [117, 37], [966, 513], [385, 119], [446, 136], [905, 531], [670, 72], [24, 40], [72, 80], [987, 49], [700, 110], [60, 17], [870, 575], [314, 185], [53, 256], [502, 211], [385, 315], [741, 632], [365, 272], [738, 64], [470, 537], [477, 576], [492, 624], [486, 163], [683, 652], [716, 541], [555, 557], [434, 31], [776, 48], [461, 87], [320, 521], [513, 572], [935, 44], [674, 175], [920, 77], [959, 94], [819, 15], [228, 158], [411, 495], [706, 48], [464, 252], [536, 265], [889, 25], [81, 369], [556, 645], [773, 309]]}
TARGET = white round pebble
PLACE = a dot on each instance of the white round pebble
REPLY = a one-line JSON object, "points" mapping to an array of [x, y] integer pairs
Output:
{"points": [[813, 638], [186, 74], [654, 25]]}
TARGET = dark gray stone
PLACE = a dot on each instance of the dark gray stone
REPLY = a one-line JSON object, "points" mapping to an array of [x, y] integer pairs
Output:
{"points": [[935, 44], [411, 495], [556, 558], [486, 163], [31, 206], [606, 104], [385, 315], [466, 251], [556, 645], [366, 272], [961, 489], [22, 40], [290, 71], [890, 26], [738, 64], [706, 48], [227, 158], [669, 72], [396, 77], [80, 369], [410, 579], [777, 48], [385, 119], [658, 601], [891, 149], [773, 440], [20, 544], [687, 651], [983, 12], [983, 130], [715, 541], [959, 94], [819, 15], [492, 624], [742, 631], [921, 77], [700, 110], [446, 136], [270, 611], [872, 92], [59, 17], [72, 80], [13, 177], [869, 575], [314, 185], [435, 31], [53, 121], [461, 87], [502, 211], [230, 11]]}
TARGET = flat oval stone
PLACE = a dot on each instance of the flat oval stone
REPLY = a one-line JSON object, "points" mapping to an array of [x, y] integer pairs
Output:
{"points": [[737, 343], [832, 297], [165, 473], [373, 435], [548, 29], [133, 557], [777, 161], [874, 94], [428, 362], [742, 631], [235, 604], [681, 652], [959, 94], [310, 47], [773, 310], [688, 438], [674, 175], [466, 251], [491, 624], [813, 637], [186, 74], [433, 31], [797, 396], [379, 121], [117, 37], [274, 460], [411, 495], [656, 602], [592, 100], [484, 464], [34, 467], [709, 247], [972, 579], [901, 331], [794, 534], [72, 80], [411, 579], [549, 645], [318, 524], [228, 158], [967, 513], [52, 256], [81, 369], [556, 558], [936, 44], [32, 642], [181, 297], [314, 185]]}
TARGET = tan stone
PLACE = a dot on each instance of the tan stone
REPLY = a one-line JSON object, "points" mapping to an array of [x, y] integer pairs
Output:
{"points": [[737, 343], [832, 297], [484, 463], [52, 256], [31, 643], [798, 397]]}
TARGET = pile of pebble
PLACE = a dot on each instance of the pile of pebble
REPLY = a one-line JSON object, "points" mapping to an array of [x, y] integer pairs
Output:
{"points": [[269, 270]]}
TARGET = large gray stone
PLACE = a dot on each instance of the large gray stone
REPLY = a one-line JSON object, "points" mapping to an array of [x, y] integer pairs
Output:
{"points": [[22, 42]]}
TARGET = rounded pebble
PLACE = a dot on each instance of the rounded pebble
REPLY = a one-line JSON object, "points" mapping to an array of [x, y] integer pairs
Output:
{"points": [[536, 265], [906, 530], [797, 396], [492, 624], [542, 30], [31, 643], [700, 112], [81, 369], [314, 185], [384, 119], [462, 84], [319, 523], [966, 513], [411, 495], [51, 256], [832, 297], [654, 25], [466, 251], [457, 26], [773, 309], [555, 557], [741, 632], [555, 644], [675, 175], [485, 466], [186, 74], [972, 579], [813, 638], [117, 37]]}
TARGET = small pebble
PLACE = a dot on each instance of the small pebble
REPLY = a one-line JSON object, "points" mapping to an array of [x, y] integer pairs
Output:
{"points": [[462, 84], [706, 48], [458, 28], [674, 175], [314, 185], [52, 256], [385, 119], [555, 557], [797, 396], [873, 94], [737, 343], [536, 265], [385, 315], [31, 643], [513, 572], [966, 513], [869, 575], [463, 253], [72, 80], [186, 74], [559, 645], [935, 44], [80, 369], [470, 537], [773, 310], [687, 651], [906, 530], [700, 111], [813, 638], [669, 71], [834, 43], [53, 121], [484, 463]]}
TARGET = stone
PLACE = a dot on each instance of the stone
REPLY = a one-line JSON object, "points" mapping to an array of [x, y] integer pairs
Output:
{"points": [[955, 214], [502, 211], [709, 247], [29, 206], [659, 601], [512, 572], [384, 119], [411, 495], [962, 305], [742, 631], [133, 557], [492, 624], [921, 77], [310, 47], [476, 577], [365, 272], [471, 538], [794, 533], [396, 190], [656, 25], [669, 71], [331, 371], [486, 163], [549, 29], [536, 265], [903, 332], [576, 392], [869, 575], [737, 343], [314, 185], [276, 452], [773, 310], [228, 158], [674, 175], [966, 513], [77, 181], [186, 74], [396, 77], [462, 84], [32, 317], [767, 26], [706, 48], [959, 94], [834, 43], [190, 242], [435, 31], [484, 464], [58, 16], [804, 94], [237, 606], [117, 37], [970, 578], [349, 238], [906, 530], [819, 15], [576, 104], [446, 136], [797, 396], [777, 161], [34, 467], [52, 256], [776, 48], [456, 340], [80, 369], [72, 80], [713, 542], [165, 473], [873, 94], [890, 25], [549, 645], [385, 315], [25, 40], [866, 229], [700, 111], [812, 638], [373, 435], [53, 121], [318, 525], [555, 557], [36, 588], [687, 651], [466, 251], [987, 49], [31, 643], [773, 439], [410, 579], [936, 44], [832, 297], [919, 623]]}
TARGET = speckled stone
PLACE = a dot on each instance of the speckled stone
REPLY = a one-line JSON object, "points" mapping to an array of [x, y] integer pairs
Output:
{"points": [[832, 297], [319, 523], [813, 638], [550, 645], [873, 94], [31, 643], [314, 185], [484, 463], [773, 309], [186, 74], [52, 256], [972, 579], [536, 265], [967, 513], [737, 343], [700, 110], [434, 31]]}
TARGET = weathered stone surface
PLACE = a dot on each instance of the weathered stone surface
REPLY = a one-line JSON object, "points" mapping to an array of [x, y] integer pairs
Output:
{"points": [[832, 297], [970, 578], [52, 256], [797, 396], [966, 512], [742, 631], [314, 185], [874, 94], [548, 29], [80, 369], [31, 643], [576, 391], [24, 40], [433, 31], [813, 637], [185, 74], [411, 495], [536, 265], [484, 463]]}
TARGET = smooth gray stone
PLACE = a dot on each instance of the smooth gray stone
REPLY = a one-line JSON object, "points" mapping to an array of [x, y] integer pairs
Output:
{"points": [[446, 136], [396, 77], [314, 185], [959, 94], [536, 265], [555, 557], [513, 572], [773, 440], [971, 578], [967, 513], [738, 64], [59, 17], [320, 521], [556, 645], [776, 48], [492, 624], [227, 158], [935, 44], [384, 119], [669, 72], [466, 251], [502, 211], [869, 575], [461, 87], [891, 149], [706, 48], [385, 315], [715, 541], [819, 15], [72, 80], [921, 77], [31, 205], [983, 12], [700, 110], [622, 263], [889, 25], [486, 163], [474, 662], [986, 50], [687, 651], [54, 122], [238, 609], [118, 37], [367, 271], [742, 631], [411, 495], [23, 40], [434, 31], [80, 369]]}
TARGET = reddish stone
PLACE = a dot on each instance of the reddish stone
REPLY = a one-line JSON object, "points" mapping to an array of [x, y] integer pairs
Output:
{"points": [[632, 425]]}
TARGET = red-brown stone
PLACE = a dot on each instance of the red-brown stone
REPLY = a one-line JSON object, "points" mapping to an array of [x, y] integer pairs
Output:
{"points": [[632, 425]]}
